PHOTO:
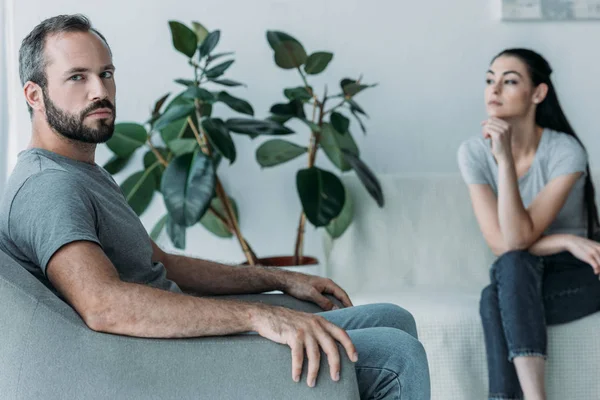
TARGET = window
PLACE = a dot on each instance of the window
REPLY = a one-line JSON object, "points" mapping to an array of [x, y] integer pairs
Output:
{"points": [[8, 87]]}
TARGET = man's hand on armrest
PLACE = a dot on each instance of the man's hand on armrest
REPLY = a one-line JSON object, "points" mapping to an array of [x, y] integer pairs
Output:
{"points": [[90, 283], [211, 278]]}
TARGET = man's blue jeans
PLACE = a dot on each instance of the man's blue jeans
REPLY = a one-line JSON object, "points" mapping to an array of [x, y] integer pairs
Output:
{"points": [[392, 363], [526, 294]]}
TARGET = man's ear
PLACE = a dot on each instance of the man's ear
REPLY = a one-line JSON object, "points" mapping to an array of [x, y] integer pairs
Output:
{"points": [[540, 93], [33, 95]]}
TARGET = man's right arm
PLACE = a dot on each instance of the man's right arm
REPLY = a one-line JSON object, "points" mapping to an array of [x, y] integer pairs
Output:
{"points": [[90, 283], [85, 276]]}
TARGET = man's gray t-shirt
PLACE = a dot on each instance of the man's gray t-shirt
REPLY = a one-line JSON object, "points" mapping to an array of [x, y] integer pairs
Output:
{"points": [[557, 154], [52, 200]]}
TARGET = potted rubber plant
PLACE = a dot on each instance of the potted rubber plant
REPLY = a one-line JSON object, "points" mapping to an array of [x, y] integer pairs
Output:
{"points": [[185, 143], [325, 201]]}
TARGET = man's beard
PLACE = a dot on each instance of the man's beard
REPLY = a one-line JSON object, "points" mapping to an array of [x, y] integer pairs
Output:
{"points": [[72, 126]]}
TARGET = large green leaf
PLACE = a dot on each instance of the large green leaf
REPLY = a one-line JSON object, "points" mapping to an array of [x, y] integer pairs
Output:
{"points": [[298, 93], [176, 233], [360, 122], [226, 82], [158, 228], [127, 138], [236, 104], [195, 92], [290, 55], [256, 127], [350, 87], [354, 107], [365, 175], [150, 159], [339, 224], [183, 146], [280, 119], [214, 57], [211, 222], [185, 82], [317, 62], [184, 39], [295, 108], [340, 122], [218, 70], [275, 38], [278, 151], [209, 44], [333, 142], [116, 164], [289, 52], [179, 99], [200, 30], [206, 110], [138, 189], [219, 137], [322, 195], [188, 186], [173, 114]]}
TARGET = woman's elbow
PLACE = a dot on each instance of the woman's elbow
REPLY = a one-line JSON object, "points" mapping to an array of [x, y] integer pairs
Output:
{"points": [[514, 244]]}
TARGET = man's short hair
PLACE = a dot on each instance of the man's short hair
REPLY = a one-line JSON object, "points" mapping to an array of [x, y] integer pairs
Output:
{"points": [[32, 63]]}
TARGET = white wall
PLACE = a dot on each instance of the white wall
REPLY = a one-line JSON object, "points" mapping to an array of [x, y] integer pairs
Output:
{"points": [[429, 58]]}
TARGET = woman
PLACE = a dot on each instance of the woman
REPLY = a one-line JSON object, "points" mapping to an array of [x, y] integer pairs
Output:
{"points": [[532, 194]]}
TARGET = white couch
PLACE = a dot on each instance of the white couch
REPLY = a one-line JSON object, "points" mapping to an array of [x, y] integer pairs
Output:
{"points": [[424, 251]]}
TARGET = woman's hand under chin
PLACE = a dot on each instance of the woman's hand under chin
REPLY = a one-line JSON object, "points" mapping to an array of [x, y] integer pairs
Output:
{"points": [[500, 132]]}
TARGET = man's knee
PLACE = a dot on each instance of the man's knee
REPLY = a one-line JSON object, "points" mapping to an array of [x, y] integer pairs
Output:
{"points": [[394, 316], [408, 353]]}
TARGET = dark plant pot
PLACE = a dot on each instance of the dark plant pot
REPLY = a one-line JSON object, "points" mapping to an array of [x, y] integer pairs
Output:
{"points": [[310, 265]]}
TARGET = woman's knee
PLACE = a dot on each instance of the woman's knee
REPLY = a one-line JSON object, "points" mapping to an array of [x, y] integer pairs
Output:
{"points": [[515, 263], [488, 303]]}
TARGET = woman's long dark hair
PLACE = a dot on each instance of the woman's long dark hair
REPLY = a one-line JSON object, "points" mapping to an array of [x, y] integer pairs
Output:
{"points": [[549, 114]]}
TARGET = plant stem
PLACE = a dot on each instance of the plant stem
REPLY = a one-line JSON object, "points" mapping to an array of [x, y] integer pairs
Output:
{"points": [[225, 222], [314, 146], [250, 257], [159, 157], [305, 81], [137, 186], [199, 138], [221, 218], [220, 191]]}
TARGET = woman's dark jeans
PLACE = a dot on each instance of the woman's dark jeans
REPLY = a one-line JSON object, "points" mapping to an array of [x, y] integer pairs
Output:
{"points": [[528, 293]]}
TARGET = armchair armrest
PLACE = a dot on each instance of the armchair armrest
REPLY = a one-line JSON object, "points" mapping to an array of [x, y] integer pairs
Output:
{"points": [[65, 359]]}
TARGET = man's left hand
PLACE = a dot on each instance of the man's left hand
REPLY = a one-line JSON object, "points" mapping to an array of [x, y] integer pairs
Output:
{"points": [[313, 288]]}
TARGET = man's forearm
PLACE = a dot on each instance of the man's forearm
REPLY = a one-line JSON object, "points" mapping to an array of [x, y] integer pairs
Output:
{"points": [[142, 311], [210, 278]]}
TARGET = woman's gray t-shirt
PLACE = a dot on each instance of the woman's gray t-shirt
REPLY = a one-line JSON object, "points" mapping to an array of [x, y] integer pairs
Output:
{"points": [[52, 200], [557, 154]]}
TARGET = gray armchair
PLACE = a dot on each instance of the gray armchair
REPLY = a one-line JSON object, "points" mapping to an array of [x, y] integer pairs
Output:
{"points": [[47, 352]]}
